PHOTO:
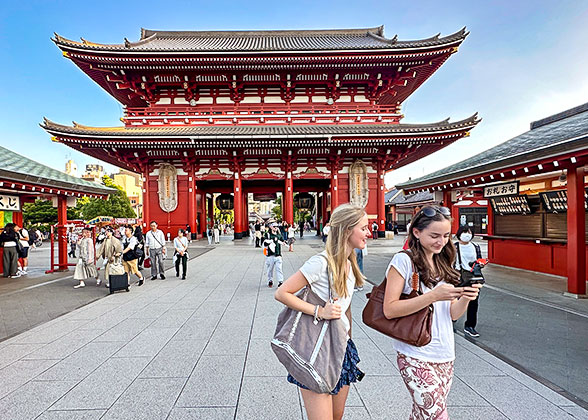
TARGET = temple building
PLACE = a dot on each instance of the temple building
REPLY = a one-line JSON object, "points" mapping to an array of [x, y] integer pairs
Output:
{"points": [[262, 112]]}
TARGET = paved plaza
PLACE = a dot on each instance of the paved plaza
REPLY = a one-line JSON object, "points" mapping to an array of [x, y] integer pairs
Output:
{"points": [[199, 349]]}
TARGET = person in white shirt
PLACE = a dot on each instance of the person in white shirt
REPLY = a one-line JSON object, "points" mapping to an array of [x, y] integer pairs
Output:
{"points": [[336, 264], [181, 253], [23, 235], [129, 254], [467, 253], [427, 371], [155, 247], [291, 237]]}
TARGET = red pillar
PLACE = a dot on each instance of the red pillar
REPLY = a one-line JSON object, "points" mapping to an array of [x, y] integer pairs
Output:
{"points": [[192, 199], [146, 219], [238, 205], [202, 221], [288, 210], [380, 201], [576, 232], [334, 189], [62, 232], [246, 213], [210, 210]]}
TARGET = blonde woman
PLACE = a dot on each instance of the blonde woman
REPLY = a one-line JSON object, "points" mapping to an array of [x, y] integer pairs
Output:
{"points": [[349, 230]]}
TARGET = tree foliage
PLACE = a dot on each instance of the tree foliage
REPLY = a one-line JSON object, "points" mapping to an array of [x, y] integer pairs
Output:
{"points": [[117, 205]]}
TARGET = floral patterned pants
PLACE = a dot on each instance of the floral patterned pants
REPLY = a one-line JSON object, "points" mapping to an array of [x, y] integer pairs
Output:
{"points": [[428, 384]]}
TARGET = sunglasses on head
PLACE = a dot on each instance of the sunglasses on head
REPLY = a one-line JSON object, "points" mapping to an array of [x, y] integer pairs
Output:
{"points": [[431, 211]]}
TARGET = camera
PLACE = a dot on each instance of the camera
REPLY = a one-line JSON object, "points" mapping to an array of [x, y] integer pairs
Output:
{"points": [[474, 276]]}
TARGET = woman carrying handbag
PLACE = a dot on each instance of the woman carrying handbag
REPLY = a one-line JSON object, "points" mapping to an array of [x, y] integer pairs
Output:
{"points": [[427, 370], [349, 230]]}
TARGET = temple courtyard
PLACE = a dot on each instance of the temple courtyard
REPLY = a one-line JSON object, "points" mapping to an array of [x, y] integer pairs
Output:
{"points": [[199, 349]]}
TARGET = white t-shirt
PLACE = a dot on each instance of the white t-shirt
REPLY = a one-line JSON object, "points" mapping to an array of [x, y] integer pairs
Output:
{"points": [[468, 255], [315, 272], [25, 233], [326, 230], [291, 232], [442, 346]]}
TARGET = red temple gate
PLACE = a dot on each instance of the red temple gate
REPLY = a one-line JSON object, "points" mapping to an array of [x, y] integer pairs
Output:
{"points": [[260, 111]]}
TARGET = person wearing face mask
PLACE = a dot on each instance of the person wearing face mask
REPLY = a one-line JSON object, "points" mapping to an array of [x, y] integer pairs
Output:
{"points": [[467, 253], [273, 241]]}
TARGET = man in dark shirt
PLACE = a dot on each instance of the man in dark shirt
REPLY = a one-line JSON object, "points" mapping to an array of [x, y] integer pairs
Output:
{"points": [[257, 228], [273, 241]]}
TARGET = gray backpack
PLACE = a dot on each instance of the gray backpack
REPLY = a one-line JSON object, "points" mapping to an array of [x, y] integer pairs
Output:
{"points": [[312, 354]]}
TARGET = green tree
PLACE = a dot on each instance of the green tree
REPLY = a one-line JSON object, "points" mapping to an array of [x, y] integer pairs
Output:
{"points": [[41, 211], [117, 204]]}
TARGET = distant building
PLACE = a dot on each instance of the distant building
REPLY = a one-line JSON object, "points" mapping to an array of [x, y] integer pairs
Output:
{"points": [[132, 184], [94, 173], [71, 168]]}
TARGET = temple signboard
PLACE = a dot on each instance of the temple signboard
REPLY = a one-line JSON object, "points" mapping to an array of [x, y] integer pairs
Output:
{"points": [[358, 184], [168, 187], [9, 203]]}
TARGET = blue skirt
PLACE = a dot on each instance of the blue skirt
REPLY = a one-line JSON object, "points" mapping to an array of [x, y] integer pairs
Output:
{"points": [[350, 372]]}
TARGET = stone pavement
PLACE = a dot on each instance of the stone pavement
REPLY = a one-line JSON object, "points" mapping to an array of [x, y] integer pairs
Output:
{"points": [[38, 297], [199, 349]]}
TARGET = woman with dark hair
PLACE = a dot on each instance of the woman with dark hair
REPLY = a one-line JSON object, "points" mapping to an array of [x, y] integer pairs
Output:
{"points": [[427, 371], [9, 238], [467, 254], [138, 233], [181, 253]]}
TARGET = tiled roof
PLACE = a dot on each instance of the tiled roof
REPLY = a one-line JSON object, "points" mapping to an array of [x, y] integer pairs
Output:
{"points": [[559, 134], [18, 168], [250, 41], [265, 130], [389, 195], [420, 197]]}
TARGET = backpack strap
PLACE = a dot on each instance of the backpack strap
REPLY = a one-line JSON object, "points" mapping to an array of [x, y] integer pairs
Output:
{"points": [[478, 251]]}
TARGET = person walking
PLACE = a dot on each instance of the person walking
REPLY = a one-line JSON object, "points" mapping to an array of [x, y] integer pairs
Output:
{"points": [[326, 231], [375, 230], [301, 224], [129, 254], [138, 233], [291, 237], [467, 254], [109, 250], [181, 253], [23, 236], [216, 231], [155, 246], [73, 242], [257, 228], [337, 265], [209, 235], [8, 239], [189, 232], [86, 266], [273, 242], [427, 371]]}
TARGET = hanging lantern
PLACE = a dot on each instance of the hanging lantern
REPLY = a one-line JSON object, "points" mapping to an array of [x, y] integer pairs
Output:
{"points": [[225, 202], [304, 201]]}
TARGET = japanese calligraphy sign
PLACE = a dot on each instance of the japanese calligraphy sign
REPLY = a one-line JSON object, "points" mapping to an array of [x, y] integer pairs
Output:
{"points": [[499, 190], [9, 203]]}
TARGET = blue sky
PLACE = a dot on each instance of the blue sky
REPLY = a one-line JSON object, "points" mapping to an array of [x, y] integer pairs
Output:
{"points": [[523, 60]]}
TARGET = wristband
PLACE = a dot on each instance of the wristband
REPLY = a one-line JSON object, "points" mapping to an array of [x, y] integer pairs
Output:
{"points": [[316, 317]]}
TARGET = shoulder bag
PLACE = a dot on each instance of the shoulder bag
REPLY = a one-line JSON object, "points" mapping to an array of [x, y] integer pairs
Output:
{"points": [[116, 268], [312, 352], [413, 329]]}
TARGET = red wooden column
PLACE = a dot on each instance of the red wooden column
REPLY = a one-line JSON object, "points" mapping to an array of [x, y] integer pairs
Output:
{"points": [[210, 204], [192, 199], [576, 232], [334, 188], [246, 213], [61, 232], [202, 222], [288, 210], [238, 205], [380, 200], [146, 219]]}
